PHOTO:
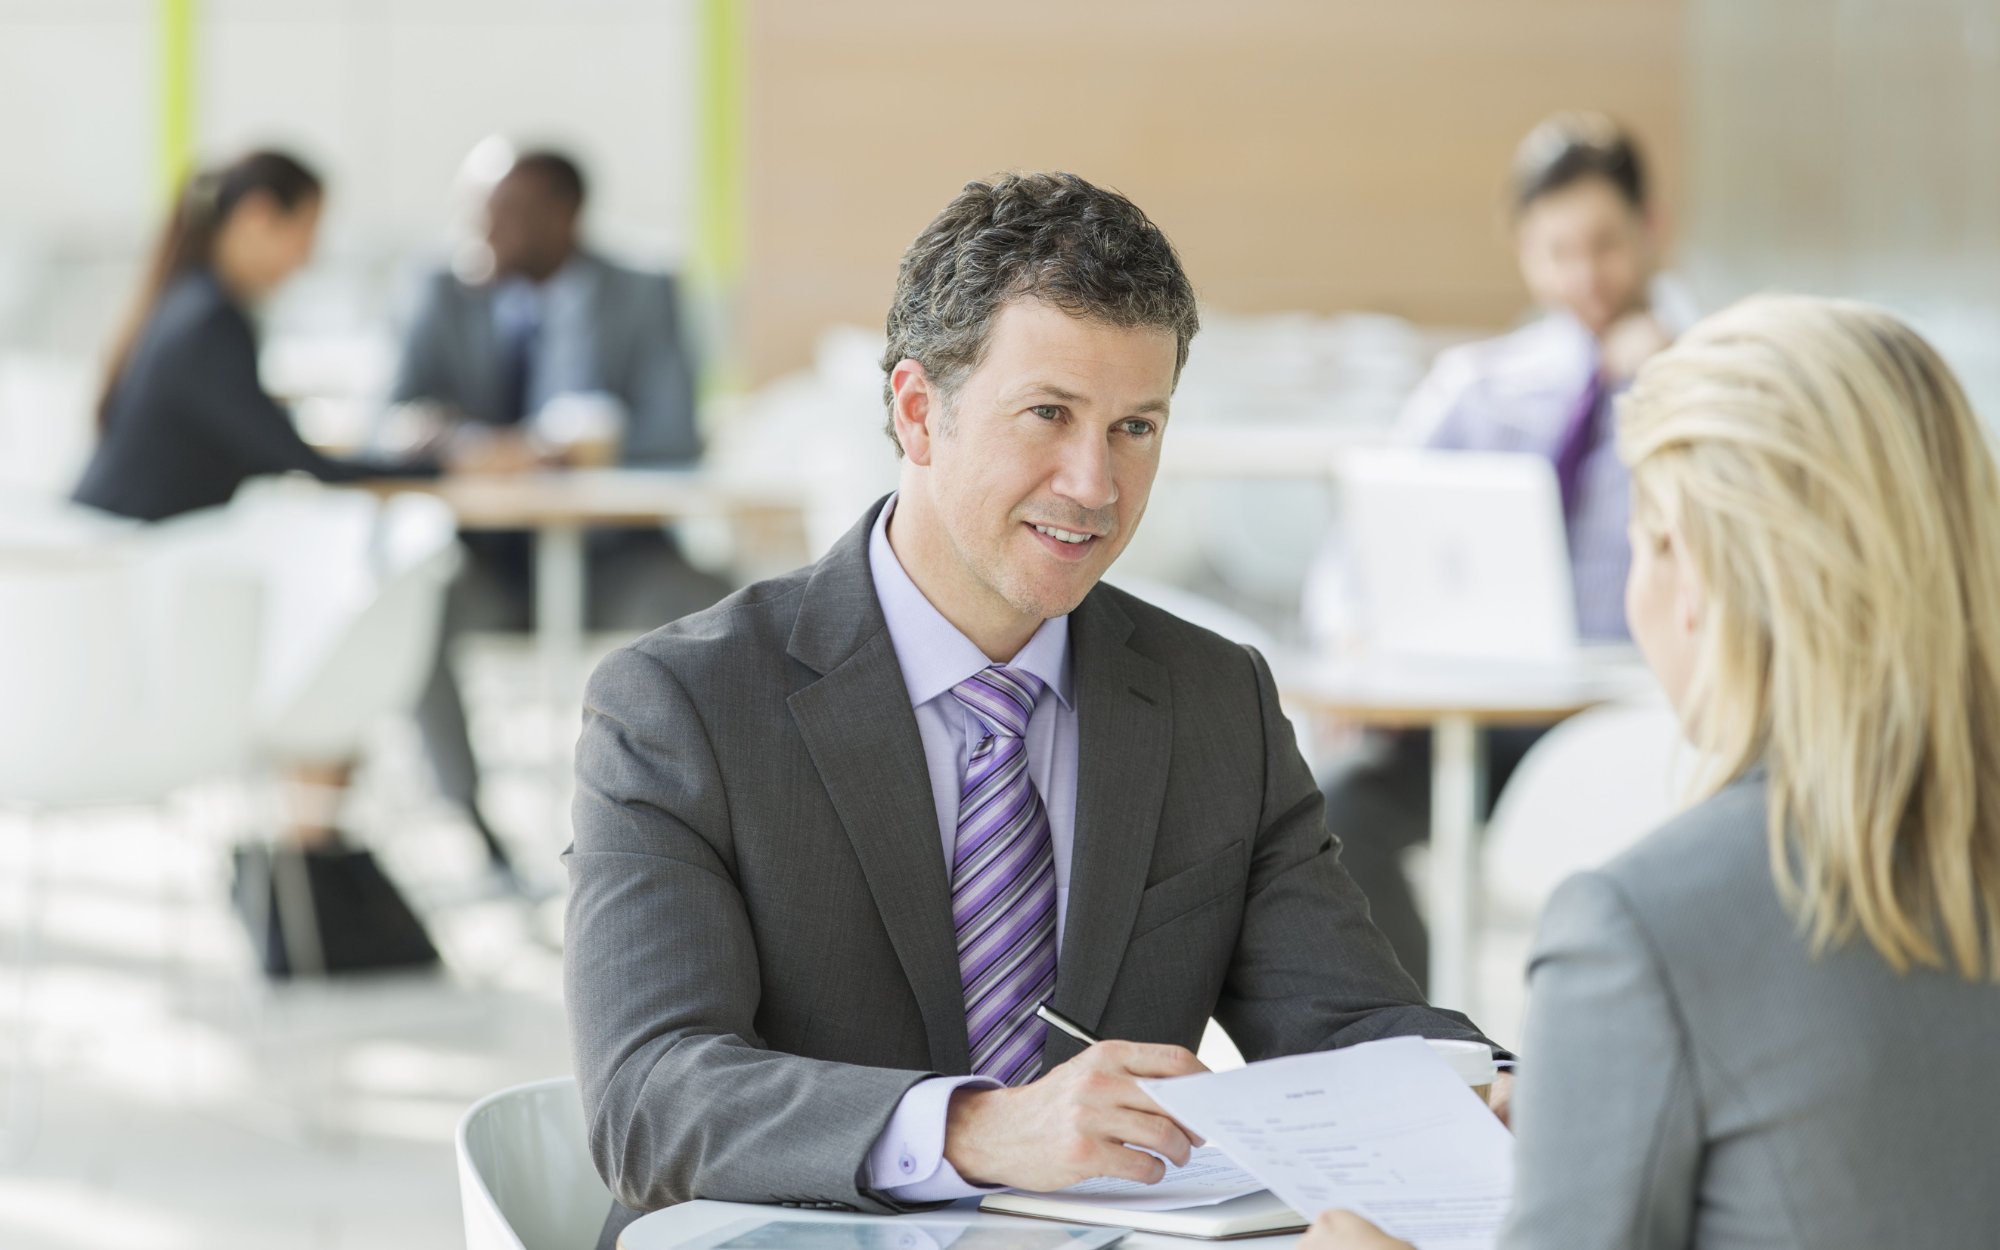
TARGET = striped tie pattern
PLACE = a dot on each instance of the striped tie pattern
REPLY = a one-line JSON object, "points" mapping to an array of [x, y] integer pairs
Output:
{"points": [[1003, 883]]}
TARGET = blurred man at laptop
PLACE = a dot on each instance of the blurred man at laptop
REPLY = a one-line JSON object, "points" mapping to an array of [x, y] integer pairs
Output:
{"points": [[1588, 243]]}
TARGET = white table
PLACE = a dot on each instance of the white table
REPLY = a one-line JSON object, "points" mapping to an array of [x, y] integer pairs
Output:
{"points": [[1455, 703], [560, 506], [663, 1230]]}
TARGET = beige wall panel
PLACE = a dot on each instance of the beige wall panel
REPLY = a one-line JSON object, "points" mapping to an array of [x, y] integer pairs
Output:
{"points": [[1325, 156]]}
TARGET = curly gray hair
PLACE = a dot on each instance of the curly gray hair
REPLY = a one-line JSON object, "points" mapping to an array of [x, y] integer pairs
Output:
{"points": [[1048, 236]]}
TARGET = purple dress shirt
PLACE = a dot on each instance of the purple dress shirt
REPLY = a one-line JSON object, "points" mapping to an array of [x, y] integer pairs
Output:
{"points": [[907, 1160]]}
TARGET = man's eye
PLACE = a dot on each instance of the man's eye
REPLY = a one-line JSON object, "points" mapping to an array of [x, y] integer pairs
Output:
{"points": [[1047, 412], [1138, 427]]}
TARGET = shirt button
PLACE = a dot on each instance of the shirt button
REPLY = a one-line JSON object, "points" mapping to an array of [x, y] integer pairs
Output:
{"points": [[907, 1163]]}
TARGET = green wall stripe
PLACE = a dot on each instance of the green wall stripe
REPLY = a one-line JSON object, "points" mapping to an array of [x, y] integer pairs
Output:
{"points": [[177, 21], [719, 173]]}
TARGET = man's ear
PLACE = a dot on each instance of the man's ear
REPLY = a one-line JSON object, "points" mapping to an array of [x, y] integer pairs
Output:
{"points": [[1659, 231], [915, 405]]}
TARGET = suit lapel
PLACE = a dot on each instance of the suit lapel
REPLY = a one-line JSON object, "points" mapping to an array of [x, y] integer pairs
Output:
{"points": [[862, 735], [1125, 738]]}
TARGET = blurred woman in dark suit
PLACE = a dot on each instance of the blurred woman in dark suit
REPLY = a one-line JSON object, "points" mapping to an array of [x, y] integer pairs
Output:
{"points": [[183, 422], [183, 418]]}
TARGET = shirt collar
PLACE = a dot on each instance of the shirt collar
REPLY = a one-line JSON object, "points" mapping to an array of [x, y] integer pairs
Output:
{"points": [[932, 653], [517, 300]]}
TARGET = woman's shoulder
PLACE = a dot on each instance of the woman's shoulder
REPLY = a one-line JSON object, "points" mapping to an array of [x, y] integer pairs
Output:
{"points": [[1728, 824], [1708, 866], [193, 307]]}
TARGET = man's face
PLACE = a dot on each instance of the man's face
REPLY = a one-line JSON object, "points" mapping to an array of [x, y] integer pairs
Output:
{"points": [[1586, 250], [1021, 499], [530, 229]]}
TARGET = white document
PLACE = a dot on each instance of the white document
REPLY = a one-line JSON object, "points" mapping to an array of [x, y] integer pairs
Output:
{"points": [[1208, 1178], [1384, 1129]]}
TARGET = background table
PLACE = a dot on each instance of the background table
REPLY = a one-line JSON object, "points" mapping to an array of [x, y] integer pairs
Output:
{"points": [[663, 1230], [560, 506], [1455, 702]]}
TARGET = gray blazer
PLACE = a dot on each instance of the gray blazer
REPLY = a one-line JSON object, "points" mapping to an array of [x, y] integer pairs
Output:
{"points": [[1696, 1078], [451, 355], [760, 955]]}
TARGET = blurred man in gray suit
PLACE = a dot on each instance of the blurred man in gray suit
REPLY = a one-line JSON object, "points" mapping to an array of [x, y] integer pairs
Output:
{"points": [[491, 362], [552, 319], [839, 836]]}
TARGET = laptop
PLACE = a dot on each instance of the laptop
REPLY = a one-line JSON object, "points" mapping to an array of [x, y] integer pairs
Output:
{"points": [[1460, 563]]}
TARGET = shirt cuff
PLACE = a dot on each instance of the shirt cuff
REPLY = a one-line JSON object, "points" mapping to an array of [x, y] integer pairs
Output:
{"points": [[907, 1161]]}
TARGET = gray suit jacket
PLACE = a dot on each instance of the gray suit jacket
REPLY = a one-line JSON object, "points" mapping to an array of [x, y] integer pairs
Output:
{"points": [[451, 355], [1696, 1078], [760, 955]]}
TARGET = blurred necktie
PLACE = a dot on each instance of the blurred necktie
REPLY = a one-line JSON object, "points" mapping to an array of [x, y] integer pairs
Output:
{"points": [[517, 366], [1577, 436]]}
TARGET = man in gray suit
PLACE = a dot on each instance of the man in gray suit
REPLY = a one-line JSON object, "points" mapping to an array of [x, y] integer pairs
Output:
{"points": [[481, 359], [553, 319], [837, 837]]}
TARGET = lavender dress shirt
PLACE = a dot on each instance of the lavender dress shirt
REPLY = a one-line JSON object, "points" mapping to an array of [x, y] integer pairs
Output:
{"points": [[907, 1160]]}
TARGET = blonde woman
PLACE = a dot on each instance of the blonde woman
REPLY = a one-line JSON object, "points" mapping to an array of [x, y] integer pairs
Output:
{"points": [[1776, 1022]]}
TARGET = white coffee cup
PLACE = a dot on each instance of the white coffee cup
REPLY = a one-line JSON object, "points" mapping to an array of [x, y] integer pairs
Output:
{"points": [[585, 426], [1472, 1061]]}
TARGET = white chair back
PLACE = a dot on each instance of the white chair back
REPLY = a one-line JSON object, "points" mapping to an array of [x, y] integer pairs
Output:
{"points": [[525, 1178], [360, 589], [127, 663], [1593, 786]]}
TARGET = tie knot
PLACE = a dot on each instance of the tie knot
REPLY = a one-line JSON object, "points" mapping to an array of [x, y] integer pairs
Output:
{"points": [[1001, 698]]}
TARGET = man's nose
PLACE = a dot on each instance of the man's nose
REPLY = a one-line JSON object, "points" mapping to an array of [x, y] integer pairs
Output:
{"points": [[1084, 474]]}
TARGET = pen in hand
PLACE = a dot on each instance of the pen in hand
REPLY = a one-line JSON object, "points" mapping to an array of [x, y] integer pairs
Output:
{"points": [[1058, 1020]]}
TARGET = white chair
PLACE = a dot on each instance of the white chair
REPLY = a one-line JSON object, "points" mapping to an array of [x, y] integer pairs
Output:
{"points": [[127, 666], [1593, 786], [356, 589], [525, 1177], [357, 592]]}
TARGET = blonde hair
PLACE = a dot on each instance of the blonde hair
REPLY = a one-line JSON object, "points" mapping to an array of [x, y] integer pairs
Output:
{"points": [[1840, 505]]}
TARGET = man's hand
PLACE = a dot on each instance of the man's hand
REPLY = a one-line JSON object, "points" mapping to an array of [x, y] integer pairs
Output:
{"points": [[1344, 1230], [1500, 1097], [1074, 1123], [1631, 341], [473, 450]]}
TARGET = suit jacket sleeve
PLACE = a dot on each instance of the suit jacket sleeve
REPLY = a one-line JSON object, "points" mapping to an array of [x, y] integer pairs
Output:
{"points": [[681, 1096], [1311, 971], [222, 397], [660, 389], [1607, 1116]]}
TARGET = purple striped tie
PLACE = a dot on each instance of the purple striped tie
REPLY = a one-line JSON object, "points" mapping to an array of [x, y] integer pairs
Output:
{"points": [[1003, 883]]}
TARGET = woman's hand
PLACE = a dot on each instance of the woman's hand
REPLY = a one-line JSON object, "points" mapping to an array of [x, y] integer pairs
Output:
{"points": [[1344, 1230]]}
